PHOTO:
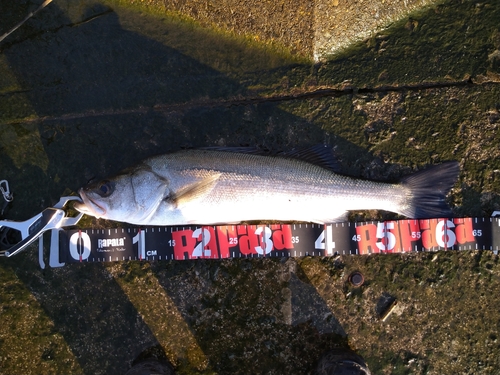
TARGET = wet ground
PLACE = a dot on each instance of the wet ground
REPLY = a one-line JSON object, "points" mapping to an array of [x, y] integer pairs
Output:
{"points": [[88, 88]]}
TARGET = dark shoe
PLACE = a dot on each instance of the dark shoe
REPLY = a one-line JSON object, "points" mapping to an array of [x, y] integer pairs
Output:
{"points": [[341, 362], [151, 366]]}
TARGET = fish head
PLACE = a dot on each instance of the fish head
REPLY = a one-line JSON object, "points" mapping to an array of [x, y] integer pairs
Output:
{"points": [[133, 196]]}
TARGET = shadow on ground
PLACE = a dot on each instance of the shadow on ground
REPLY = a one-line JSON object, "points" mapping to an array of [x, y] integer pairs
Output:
{"points": [[69, 63], [79, 88]]}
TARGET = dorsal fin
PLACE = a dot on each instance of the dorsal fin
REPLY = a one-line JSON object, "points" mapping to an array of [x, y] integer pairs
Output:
{"points": [[320, 155], [239, 150]]}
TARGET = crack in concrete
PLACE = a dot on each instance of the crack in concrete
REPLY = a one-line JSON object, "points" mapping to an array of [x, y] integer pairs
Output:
{"points": [[217, 103], [8, 45]]}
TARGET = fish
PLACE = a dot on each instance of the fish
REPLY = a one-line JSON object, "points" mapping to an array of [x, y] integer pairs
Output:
{"points": [[221, 186]]}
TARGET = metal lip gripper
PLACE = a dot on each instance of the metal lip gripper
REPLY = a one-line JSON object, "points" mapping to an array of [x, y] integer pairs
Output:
{"points": [[32, 229]]}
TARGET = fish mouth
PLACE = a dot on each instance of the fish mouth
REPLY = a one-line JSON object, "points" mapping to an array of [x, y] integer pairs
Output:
{"points": [[89, 207]]}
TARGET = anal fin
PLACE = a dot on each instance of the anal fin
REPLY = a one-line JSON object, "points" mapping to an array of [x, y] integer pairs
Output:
{"points": [[336, 217]]}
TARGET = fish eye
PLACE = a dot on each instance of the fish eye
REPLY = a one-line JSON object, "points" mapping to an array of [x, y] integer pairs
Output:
{"points": [[105, 188]]}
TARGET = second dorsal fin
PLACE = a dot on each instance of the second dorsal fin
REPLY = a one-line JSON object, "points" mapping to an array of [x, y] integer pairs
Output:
{"points": [[320, 155]]}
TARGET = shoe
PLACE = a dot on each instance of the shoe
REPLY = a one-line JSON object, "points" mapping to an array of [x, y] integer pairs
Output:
{"points": [[341, 362], [151, 366]]}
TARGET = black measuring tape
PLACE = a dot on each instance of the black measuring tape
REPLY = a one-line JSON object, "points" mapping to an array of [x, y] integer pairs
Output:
{"points": [[273, 240]]}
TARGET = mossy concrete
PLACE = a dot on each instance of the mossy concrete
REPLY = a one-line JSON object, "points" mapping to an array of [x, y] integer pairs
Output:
{"points": [[88, 88]]}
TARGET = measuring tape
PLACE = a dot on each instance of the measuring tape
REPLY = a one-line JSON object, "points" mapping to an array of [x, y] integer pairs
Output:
{"points": [[273, 240]]}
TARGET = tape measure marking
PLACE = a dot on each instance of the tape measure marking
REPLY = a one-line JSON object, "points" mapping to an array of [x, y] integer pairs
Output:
{"points": [[277, 240]]}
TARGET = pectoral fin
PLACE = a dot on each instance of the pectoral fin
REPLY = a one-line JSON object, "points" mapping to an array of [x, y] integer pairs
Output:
{"points": [[193, 191]]}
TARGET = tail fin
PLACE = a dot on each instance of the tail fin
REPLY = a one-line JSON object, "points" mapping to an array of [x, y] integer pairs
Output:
{"points": [[428, 191]]}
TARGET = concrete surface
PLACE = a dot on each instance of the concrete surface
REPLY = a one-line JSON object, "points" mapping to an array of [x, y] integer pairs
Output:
{"points": [[90, 87]]}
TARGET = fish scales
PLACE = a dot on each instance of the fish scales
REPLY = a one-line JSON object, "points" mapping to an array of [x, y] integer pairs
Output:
{"points": [[213, 187], [282, 189]]}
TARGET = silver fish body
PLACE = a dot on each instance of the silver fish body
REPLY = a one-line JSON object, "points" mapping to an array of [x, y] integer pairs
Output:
{"points": [[219, 187]]}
